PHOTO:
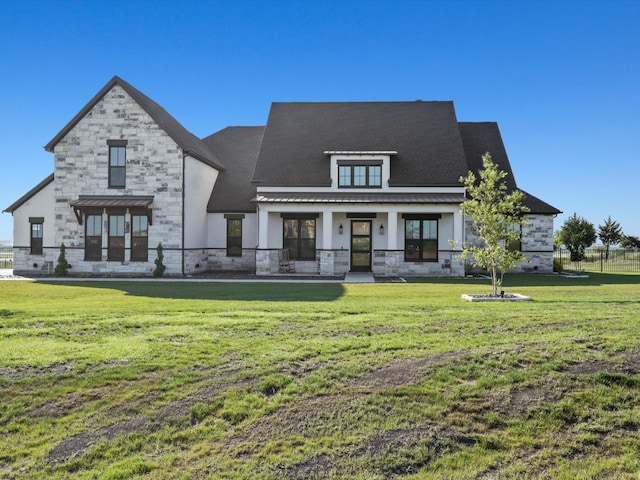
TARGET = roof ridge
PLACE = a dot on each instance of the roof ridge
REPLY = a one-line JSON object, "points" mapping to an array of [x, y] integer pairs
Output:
{"points": [[191, 144]]}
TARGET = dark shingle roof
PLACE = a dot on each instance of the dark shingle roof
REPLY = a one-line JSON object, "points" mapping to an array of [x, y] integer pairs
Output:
{"points": [[191, 144], [238, 148], [15, 205], [425, 135], [479, 138]]}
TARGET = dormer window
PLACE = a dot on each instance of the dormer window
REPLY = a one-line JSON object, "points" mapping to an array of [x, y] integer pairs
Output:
{"points": [[360, 169], [359, 175]]}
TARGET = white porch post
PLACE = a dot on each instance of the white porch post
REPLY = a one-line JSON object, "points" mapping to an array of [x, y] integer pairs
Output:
{"points": [[392, 229], [327, 230], [458, 228], [263, 228], [327, 264]]}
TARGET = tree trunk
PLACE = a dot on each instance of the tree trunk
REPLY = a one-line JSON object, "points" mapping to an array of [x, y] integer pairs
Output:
{"points": [[494, 281]]}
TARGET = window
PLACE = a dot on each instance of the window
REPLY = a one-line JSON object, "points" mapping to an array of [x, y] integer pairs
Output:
{"points": [[116, 238], [299, 237], [139, 238], [93, 237], [359, 176], [117, 166], [234, 237], [36, 237], [421, 240], [516, 244]]}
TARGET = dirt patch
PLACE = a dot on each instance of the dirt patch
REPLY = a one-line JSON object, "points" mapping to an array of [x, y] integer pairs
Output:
{"points": [[518, 401], [24, 371], [406, 371], [387, 454], [76, 445]]}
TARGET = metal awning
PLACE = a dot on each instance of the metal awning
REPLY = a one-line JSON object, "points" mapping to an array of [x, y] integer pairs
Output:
{"points": [[359, 198], [111, 201]]}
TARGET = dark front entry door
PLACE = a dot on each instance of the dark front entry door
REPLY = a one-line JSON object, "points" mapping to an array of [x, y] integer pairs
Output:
{"points": [[361, 245]]}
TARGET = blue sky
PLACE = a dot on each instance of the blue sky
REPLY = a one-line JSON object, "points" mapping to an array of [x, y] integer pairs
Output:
{"points": [[561, 78]]}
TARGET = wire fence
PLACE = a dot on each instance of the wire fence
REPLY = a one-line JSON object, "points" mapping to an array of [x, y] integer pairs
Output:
{"points": [[6, 257], [598, 260]]}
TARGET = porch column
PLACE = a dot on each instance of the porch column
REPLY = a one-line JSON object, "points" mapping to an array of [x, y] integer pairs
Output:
{"points": [[263, 228], [392, 230], [327, 230], [458, 228]]}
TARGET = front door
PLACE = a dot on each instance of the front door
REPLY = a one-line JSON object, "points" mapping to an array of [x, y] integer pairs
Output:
{"points": [[361, 245]]}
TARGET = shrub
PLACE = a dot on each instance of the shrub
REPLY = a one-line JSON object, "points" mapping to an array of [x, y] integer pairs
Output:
{"points": [[557, 265], [62, 266], [160, 268]]}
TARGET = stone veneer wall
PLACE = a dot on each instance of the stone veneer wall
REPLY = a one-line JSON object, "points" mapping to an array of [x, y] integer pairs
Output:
{"points": [[267, 263], [219, 261], [537, 243], [153, 167], [391, 263]]}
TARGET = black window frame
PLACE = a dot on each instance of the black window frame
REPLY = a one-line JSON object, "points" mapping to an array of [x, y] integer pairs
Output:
{"points": [[35, 244], [515, 245], [117, 172], [115, 243], [415, 248], [139, 237], [234, 236], [300, 247], [352, 166], [92, 243]]}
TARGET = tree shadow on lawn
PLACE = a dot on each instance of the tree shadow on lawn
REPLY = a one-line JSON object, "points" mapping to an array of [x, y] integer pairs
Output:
{"points": [[541, 280], [263, 292]]}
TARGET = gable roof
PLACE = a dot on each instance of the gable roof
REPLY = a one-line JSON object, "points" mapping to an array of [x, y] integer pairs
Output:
{"points": [[18, 203], [238, 147], [479, 138], [190, 144], [424, 134]]}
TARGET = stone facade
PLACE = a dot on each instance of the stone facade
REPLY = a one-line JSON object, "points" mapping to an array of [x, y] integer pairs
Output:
{"points": [[219, 261], [537, 244], [391, 263], [154, 165]]}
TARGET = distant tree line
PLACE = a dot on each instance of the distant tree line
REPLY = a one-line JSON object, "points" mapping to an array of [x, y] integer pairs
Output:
{"points": [[578, 234]]}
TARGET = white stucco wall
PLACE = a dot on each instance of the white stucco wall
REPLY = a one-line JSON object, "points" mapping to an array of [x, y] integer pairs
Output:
{"points": [[199, 181], [39, 205]]}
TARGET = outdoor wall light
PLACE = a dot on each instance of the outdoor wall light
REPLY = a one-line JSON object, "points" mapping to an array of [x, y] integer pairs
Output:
{"points": [[340, 229], [381, 229]]}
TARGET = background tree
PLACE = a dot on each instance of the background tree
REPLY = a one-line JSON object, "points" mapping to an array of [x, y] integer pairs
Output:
{"points": [[629, 241], [498, 217], [577, 234], [610, 234]]}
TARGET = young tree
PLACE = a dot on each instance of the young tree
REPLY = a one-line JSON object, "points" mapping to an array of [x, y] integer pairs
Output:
{"points": [[499, 218], [577, 234], [630, 241], [610, 234]]}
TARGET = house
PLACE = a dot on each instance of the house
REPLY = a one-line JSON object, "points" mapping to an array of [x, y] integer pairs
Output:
{"points": [[348, 186]]}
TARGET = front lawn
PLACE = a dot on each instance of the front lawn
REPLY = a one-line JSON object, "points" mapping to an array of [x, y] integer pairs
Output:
{"points": [[152, 379]]}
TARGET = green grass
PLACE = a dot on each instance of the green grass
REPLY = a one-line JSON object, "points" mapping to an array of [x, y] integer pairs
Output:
{"points": [[121, 380]]}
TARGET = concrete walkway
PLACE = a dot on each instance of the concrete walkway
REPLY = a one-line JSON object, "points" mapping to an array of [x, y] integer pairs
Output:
{"points": [[359, 277]]}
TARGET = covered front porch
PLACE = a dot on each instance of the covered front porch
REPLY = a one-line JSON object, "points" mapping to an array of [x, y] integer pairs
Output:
{"points": [[333, 238]]}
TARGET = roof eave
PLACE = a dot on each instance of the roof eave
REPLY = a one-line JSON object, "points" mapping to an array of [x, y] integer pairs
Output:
{"points": [[18, 203]]}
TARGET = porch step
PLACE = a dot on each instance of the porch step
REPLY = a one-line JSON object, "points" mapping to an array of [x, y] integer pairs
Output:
{"points": [[359, 277]]}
